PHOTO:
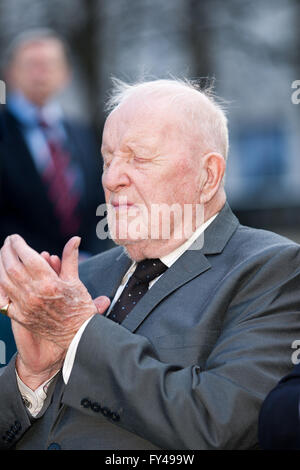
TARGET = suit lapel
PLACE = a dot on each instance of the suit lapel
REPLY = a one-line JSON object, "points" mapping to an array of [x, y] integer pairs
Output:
{"points": [[190, 265], [120, 267]]}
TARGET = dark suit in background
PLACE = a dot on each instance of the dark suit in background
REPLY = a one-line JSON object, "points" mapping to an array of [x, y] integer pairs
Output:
{"points": [[279, 423]]}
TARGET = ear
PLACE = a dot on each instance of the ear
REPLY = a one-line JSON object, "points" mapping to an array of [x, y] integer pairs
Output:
{"points": [[213, 169]]}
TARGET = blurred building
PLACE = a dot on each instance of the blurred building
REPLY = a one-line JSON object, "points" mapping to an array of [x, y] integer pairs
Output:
{"points": [[256, 74]]}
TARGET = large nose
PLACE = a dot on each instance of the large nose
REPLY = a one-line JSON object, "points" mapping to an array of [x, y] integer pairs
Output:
{"points": [[115, 175]]}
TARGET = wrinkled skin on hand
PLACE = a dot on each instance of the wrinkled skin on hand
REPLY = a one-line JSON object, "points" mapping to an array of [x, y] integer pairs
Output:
{"points": [[49, 303], [54, 310]]}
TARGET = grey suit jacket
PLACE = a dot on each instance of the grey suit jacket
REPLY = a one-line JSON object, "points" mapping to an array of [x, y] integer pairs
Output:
{"points": [[191, 364]]}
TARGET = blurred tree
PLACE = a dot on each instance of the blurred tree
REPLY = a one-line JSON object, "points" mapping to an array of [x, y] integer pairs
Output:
{"points": [[87, 43], [199, 36]]}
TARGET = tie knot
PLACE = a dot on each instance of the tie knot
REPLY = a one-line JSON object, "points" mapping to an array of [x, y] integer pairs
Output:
{"points": [[149, 269], [42, 123]]}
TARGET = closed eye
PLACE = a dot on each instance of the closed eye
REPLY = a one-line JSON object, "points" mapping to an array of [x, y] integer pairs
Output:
{"points": [[106, 162], [142, 160]]}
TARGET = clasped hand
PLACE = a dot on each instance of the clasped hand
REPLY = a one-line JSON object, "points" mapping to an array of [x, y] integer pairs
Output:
{"points": [[48, 305]]}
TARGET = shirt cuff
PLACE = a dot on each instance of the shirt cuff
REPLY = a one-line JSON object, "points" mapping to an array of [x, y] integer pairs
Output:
{"points": [[34, 399], [71, 353]]}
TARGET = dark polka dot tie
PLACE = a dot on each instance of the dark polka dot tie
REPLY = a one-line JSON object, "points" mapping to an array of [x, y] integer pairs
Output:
{"points": [[136, 287]]}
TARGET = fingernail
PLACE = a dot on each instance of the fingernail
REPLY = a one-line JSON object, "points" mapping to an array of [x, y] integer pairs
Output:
{"points": [[77, 243]]}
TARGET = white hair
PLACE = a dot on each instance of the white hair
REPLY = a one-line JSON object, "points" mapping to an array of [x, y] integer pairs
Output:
{"points": [[201, 110]]}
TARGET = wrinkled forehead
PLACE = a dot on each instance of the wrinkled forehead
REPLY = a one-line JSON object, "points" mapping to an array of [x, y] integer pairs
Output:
{"points": [[142, 118]]}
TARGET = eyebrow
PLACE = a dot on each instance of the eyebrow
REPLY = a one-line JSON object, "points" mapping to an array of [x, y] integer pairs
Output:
{"points": [[133, 147], [130, 146], [105, 149]]}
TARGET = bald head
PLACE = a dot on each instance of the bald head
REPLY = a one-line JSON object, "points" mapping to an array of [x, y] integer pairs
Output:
{"points": [[202, 120]]}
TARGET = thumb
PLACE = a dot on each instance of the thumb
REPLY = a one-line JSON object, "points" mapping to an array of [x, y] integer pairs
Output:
{"points": [[69, 261], [102, 303]]}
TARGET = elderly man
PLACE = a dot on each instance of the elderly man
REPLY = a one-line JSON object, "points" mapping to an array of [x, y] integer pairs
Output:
{"points": [[186, 334]]}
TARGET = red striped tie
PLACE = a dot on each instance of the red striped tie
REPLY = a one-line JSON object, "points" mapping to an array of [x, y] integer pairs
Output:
{"points": [[60, 183]]}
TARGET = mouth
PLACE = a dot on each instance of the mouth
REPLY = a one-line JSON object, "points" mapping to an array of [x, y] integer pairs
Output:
{"points": [[121, 204]]}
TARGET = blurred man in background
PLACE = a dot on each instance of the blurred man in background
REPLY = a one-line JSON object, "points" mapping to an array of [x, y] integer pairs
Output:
{"points": [[50, 179]]}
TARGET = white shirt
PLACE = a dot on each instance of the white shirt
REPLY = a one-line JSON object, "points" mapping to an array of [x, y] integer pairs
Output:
{"points": [[34, 399], [28, 114]]}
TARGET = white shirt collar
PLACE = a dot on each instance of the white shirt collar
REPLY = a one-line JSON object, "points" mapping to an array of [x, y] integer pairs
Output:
{"points": [[170, 259], [29, 113]]}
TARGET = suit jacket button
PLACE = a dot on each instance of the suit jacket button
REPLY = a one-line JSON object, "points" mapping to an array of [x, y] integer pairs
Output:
{"points": [[54, 446], [95, 407], [17, 427], [105, 411], [85, 402], [115, 416]]}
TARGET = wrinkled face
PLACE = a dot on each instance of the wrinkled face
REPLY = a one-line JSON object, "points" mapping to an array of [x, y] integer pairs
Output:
{"points": [[149, 167], [39, 70]]}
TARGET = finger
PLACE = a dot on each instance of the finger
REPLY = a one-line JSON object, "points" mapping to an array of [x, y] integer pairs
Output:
{"points": [[102, 303], [52, 260], [6, 297], [69, 262], [46, 255], [9, 293], [3, 297], [13, 266], [55, 263], [34, 263], [7, 287]]}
